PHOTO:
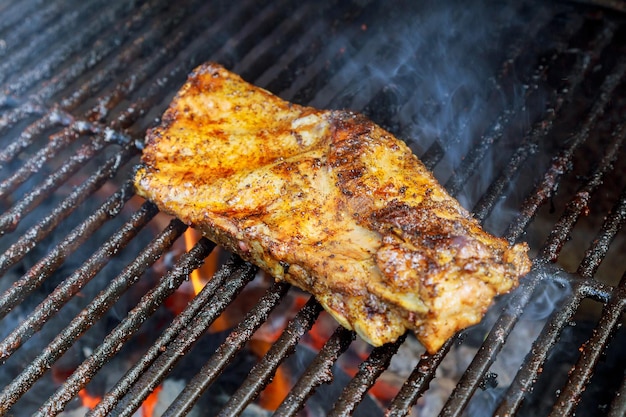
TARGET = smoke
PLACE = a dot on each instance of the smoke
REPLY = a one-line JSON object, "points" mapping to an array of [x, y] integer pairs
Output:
{"points": [[438, 75]]}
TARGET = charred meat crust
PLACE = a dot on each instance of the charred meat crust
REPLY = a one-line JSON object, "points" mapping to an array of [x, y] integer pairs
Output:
{"points": [[328, 201]]}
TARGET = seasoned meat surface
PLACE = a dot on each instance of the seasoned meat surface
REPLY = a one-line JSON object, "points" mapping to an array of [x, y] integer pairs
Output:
{"points": [[328, 201]]}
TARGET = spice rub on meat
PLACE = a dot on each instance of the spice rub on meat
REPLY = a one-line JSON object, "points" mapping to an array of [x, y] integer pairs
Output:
{"points": [[328, 201]]}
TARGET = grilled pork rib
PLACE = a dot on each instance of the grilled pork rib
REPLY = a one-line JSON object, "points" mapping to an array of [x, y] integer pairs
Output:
{"points": [[328, 201]]}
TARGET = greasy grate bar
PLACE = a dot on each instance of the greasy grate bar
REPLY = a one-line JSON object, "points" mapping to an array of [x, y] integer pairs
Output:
{"points": [[206, 308], [35, 234], [226, 351], [55, 257], [115, 340], [75, 282], [368, 372], [562, 97], [91, 313], [262, 372], [496, 338], [480, 367], [317, 373]]}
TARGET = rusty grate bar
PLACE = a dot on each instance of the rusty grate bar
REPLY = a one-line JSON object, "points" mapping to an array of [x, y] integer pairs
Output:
{"points": [[93, 312], [57, 255], [131, 323], [262, 372], [226, 352], [38, 232]]}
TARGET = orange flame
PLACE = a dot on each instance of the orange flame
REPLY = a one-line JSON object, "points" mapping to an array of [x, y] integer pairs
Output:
{"points": [[177, 302], [276, 391], [149, 404], [88, 400], [197, 276]]}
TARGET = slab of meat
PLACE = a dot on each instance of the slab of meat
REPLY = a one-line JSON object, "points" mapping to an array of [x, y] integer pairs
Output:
{"points": [[328, 201]]}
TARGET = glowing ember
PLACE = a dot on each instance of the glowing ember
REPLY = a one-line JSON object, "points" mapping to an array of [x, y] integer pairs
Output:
{"points": [[88, 400]]}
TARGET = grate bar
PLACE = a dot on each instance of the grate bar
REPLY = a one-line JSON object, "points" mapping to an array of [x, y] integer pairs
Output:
{"points": [[226, 352], [317, 373], [142, 72], [38, 232], [581, 372], [208, 307], [482, 361], [114, 341], [63, 30], [14, 13], [600, 244], [435, 153], [560, 164], [24, 24], [546, 340], [92, 313], [560, 231], [180, 322], [32, 132], [262, 372], [57, 255], [9, 220], [103, 76], [418, 381], [99, 50], [269, 49], [73, 284], [505, 323], [369, 371], [540, 130], [157, 91], [489, 349]]}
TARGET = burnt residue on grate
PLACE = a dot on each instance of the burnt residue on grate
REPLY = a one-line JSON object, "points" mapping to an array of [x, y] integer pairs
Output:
{"points": [[518, 109]]}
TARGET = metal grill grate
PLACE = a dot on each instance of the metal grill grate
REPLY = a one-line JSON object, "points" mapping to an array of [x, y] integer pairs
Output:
{"points": [[81, 82]]}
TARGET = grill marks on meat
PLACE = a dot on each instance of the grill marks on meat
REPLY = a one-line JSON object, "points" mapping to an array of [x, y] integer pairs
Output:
{"points": [[328, 201]]}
